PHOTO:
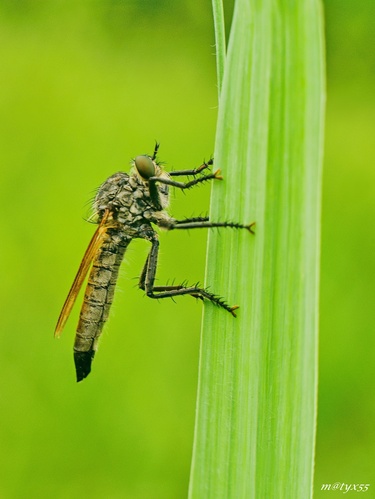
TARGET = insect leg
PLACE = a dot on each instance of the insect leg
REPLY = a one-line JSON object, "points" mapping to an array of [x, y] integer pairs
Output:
{"points": [[148, 278], [195, 171], [189, 220], [204, 223], [142, 278], [185, 185]]}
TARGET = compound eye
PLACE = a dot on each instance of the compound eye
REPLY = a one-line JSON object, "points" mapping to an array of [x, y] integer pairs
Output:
{"points": [[145, 166]]}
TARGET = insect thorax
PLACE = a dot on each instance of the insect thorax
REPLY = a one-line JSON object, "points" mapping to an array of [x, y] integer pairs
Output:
{"points": [[128, 197]]}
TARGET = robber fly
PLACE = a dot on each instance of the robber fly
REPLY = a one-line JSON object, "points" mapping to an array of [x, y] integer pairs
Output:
{"points": [[126, 206]]}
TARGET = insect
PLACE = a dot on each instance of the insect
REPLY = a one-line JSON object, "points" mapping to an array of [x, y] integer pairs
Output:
{"points": [[126, 206]]}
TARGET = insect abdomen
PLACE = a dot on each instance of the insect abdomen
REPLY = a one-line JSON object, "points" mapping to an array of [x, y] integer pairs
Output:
{"points": [[97, 301]]}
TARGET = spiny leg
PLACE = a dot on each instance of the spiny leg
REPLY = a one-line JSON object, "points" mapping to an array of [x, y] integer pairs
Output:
{"points": [[147, 280], [185, 185], [194, 171], [204, 223], [189, 220], [142, 278]]}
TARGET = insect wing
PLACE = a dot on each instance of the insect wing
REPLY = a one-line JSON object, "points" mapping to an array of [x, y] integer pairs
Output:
{"points": [[90, 253]]}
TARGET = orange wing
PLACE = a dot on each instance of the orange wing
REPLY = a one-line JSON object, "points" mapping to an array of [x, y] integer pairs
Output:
{"points": [[90, 253]]}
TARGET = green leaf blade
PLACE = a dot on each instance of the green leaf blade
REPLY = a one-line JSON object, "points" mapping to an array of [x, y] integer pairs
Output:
{"points": [[256, 410]]}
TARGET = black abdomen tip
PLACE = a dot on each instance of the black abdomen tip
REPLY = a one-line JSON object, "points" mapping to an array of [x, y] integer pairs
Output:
{"points": [[82, 362]]}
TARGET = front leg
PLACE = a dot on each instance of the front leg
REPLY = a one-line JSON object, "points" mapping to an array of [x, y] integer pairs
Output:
{"points": [[195, 171], [184, 185]]}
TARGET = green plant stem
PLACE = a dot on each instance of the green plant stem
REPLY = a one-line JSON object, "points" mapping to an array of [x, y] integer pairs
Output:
{"points": [[256, 408]]}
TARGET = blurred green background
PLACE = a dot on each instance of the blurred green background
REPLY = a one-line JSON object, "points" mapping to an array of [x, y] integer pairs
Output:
{"points": [[86, 86]]}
